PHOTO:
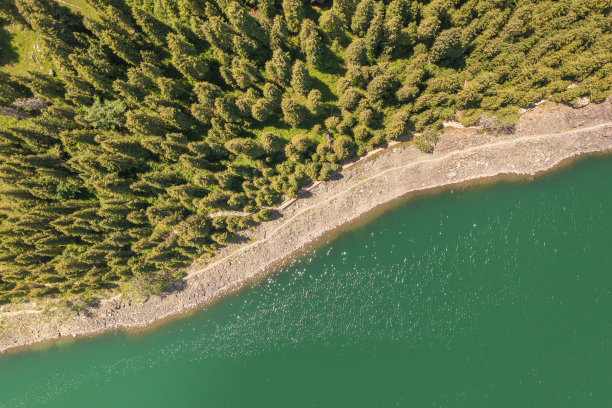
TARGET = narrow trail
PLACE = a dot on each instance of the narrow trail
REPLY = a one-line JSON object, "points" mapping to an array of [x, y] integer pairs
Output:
{"points": [[382, 173], [20, 312]]}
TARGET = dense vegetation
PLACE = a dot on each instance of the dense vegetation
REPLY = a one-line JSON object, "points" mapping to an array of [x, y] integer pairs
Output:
{"points": [[150, 115]]}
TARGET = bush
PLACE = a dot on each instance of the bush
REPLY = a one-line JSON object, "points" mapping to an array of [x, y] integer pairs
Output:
{"points": [[244, 146], [426, 141], [146, 285], [107, 115]]}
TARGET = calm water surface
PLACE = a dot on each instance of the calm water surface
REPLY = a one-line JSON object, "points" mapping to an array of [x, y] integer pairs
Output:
{"points": [[488, 297]]}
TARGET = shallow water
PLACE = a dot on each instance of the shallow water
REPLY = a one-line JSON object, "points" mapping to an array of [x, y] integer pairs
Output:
{"points": [[480, 297]]}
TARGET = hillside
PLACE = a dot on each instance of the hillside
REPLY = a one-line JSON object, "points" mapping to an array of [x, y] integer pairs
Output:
{"points": [[125, 124]]}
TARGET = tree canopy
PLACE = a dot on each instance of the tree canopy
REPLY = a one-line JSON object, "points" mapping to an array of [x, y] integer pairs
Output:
{"points": [[155, 115]]}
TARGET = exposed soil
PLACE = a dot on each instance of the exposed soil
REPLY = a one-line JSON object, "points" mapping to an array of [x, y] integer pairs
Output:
{"points": [[545, 135]]}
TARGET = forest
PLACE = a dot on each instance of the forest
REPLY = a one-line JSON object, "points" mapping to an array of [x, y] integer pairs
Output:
{"points": [[125, 123]]}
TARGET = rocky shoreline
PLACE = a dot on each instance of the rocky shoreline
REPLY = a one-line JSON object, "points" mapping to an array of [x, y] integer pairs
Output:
{"points": [[545, 135]]}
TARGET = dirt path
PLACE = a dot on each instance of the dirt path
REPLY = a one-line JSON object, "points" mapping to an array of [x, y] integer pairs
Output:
{"points": [[386, 171]]}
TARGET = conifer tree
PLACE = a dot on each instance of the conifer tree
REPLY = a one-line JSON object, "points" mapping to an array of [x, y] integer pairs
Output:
{"points": [[261, 110], [226, 109], [294, 14], [243, 23], [156, 30], [398, 125], [272, 94], [206, 92], [184, 58], [244, 72], [331, 23], [278, 33], [271, 143], [356, 53], [314, 102], [292, 112], [447, 46], [300, 79], [279, 67], [344, 9], [244, 146], [218, 33], [375, 33], [362, 17], [310, 42], [350, 99], [266, 8]]}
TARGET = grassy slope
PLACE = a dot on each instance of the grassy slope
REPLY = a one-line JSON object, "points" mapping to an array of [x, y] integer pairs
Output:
{"points": [[19, 50]]}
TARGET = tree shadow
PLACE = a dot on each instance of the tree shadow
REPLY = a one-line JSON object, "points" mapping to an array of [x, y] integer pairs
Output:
{"points": [[8, 53], [332, 63], [335, 176], [457, 62], [326, 92], [239, 239], [304, 194], [275, 214], [177, 286]]}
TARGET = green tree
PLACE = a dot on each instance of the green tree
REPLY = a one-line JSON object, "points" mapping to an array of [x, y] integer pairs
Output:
{"points": [[350, 99], [206, 92], [261, 110], [152, 27], [271, 143], [107, 115], [344, 147], [374, 35], [244, 23], [244, 72], [292, 112], [226, 109], [272, 94], [310, 42], [278, 33], [426, 141], [356, 53], [344, 9], [294, 14], [219, 34], [331, 23], [398, 125], [381, 88], [279, 67], [244, 146], [314, 103], [362, 17], [300, 79], [266, 7], [447, 46]]}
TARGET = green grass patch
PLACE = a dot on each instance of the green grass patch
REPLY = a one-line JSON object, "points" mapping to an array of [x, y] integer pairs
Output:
{"points": [[22, 51]]}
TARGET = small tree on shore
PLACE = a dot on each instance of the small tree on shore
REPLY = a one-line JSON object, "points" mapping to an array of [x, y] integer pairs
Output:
{"points": [[426, 141]]}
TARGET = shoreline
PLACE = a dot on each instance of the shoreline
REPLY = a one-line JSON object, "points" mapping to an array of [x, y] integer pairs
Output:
{"points": [[547, 136]]}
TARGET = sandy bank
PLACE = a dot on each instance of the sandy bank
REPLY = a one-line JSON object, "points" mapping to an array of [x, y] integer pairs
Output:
{"points": [[544, 136]]}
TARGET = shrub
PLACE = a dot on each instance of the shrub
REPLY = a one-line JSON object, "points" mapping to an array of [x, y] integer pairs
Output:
{"points": [[426, 141], [107, 115]]}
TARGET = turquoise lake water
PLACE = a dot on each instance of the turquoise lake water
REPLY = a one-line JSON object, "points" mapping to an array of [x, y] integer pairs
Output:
{"points": [[496, 296]]}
